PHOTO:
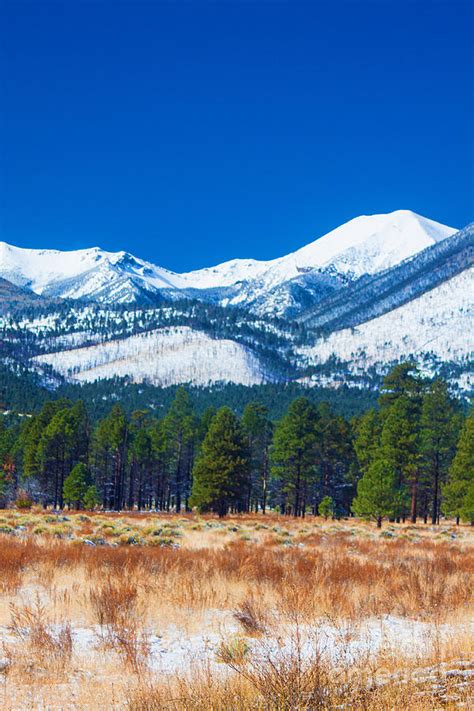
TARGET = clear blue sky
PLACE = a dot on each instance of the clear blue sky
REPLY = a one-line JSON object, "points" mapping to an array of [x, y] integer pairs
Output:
{"points": [[193, 132]]}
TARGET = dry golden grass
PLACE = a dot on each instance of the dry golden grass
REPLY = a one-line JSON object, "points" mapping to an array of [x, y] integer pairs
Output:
{"points": [[89, 604]]}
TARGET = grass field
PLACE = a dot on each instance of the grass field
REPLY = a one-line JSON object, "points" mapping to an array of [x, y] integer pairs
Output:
{"points": [[146, 611]]}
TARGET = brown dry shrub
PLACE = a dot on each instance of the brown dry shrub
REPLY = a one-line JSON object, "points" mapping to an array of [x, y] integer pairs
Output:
{"points": [[43, 642]]}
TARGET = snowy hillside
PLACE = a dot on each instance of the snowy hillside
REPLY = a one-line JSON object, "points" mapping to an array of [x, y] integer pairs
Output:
{"points": [[365, 245], [162, 357], [371, 296], [438, 322]]}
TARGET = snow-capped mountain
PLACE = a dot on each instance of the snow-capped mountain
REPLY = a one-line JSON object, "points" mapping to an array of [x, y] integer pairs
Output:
{"points": [[365, 245], [398, 286], [376, 294], [91, 274]]}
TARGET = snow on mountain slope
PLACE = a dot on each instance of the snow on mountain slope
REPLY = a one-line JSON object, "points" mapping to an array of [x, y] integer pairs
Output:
{"points": [[83, 273], [369, 244], [438, 322], [365, 245], [162, 357]]}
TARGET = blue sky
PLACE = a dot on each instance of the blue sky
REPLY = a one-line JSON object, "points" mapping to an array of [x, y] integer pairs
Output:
{"points": [[193, 132]]}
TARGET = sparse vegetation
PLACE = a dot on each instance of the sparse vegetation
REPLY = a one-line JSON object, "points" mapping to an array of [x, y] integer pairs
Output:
{"points": [[306, 614]]}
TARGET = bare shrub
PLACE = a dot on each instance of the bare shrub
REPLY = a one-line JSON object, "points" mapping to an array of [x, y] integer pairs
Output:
{"points": [[114, 601], [43, 640], [117, 609], [251, 616], [132, 645]]}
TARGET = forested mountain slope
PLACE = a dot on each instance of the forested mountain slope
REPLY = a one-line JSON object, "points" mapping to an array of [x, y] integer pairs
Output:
{"points": [[370, 297]]}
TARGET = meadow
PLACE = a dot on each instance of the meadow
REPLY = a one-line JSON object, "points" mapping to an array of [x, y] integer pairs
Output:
{"points": [[187, 612]]}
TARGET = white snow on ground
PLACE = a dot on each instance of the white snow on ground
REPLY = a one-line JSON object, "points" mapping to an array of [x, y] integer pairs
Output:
{"points": [[162, 357], [176, 651], [439, 322]]}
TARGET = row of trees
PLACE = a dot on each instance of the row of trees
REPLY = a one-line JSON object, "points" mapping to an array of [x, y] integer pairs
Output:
{"points": [[415, 453], [412, 456]]}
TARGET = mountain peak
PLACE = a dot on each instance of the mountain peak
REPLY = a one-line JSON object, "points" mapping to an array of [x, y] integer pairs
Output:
{"points": [[365, 245]]}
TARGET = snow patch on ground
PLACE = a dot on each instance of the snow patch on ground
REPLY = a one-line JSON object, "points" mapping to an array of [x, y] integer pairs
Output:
{"points": [[176, 651]]}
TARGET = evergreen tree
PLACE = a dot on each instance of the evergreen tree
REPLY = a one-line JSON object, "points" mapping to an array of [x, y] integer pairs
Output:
{"points": [[141, 456], [55, 450], [31, 436], [368, 429], [102, 462], [461, 472], [467, 510], [439, 431], [399, 447], [91, 498], [160, 470], [180, 430], [110, 448], [335, 455], [258, 430], [294, 454], [221, 471], [76, 485], [402, 380], [400, 411], [377, 495], [326, 507]]}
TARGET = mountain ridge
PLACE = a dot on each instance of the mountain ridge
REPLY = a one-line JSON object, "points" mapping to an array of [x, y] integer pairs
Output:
{"points": [[366, 244], [324, 325]]}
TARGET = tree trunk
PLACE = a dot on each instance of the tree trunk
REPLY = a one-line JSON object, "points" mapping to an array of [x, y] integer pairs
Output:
{"points": [[414, 500], [297, 486], [434, 513]]}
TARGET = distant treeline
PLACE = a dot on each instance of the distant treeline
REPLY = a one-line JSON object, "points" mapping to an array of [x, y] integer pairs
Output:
{"points": [[411, 457], [24, 391]]}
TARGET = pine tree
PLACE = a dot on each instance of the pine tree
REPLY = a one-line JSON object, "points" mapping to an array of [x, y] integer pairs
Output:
{"points": [[141, 460], [368, 429], [439, 432], [76, 485], [91, 498], [377, 494], [180, 430], [294, 454], [31, 436], [399, 448], [335, 456], [461, 472], [403, 380], [467, 509], [55, 455], [117, 433], [160, 469], [102, 462], [221, 471], [326, 507], [258, 430]]}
